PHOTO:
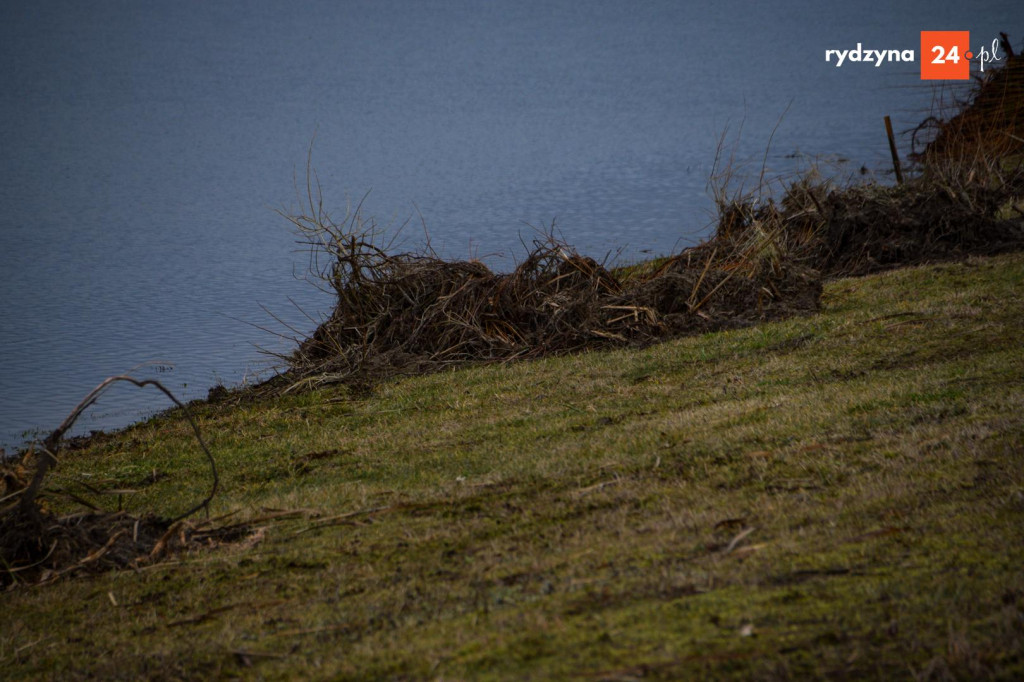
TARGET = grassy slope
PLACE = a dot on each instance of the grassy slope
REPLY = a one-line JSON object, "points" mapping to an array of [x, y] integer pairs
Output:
{"points": [[838, 495]]}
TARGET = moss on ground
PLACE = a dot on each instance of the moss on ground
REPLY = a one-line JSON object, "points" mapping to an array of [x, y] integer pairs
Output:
{"points": [[835, 496]]}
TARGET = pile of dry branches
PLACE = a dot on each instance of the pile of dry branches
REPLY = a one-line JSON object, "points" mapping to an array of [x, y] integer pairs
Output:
{"points": [[868, 228], [414, 312], [420, 310]]}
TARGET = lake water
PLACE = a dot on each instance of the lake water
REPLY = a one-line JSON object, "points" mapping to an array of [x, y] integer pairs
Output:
{"points": [[145, 146]]}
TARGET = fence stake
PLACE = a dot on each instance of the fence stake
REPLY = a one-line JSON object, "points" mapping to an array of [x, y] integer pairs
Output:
{"points": [[892, 149]]}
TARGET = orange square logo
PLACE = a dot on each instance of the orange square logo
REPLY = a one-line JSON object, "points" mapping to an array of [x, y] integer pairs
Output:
{"points": [[945, 55]]}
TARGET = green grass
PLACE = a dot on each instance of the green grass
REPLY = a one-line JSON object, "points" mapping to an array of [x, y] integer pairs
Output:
{"points": [[835, 496]]}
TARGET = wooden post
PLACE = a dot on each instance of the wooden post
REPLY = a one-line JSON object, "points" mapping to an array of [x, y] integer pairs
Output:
{"points": [[892, 149]]}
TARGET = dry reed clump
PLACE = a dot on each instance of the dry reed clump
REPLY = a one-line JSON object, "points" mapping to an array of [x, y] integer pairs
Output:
{"points": [[868, 228], [411, 313]]}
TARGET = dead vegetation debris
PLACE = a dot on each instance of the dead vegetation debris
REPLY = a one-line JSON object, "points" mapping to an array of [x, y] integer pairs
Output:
{"points": [[94, 542], [39, 546], [863, 229], [412, 313], [986, 123]]}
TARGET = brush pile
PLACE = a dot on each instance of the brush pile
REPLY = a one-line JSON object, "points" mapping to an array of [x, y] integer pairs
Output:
{"points": [[43, 547], [868, 228], [412, 313]]}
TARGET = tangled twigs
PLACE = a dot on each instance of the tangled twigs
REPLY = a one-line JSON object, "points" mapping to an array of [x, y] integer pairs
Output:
{"points": [[409, 313], [34, 541], [399, 313]]}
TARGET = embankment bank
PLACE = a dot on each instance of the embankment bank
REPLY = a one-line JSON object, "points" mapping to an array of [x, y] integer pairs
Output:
{"points": [[831, 495]]}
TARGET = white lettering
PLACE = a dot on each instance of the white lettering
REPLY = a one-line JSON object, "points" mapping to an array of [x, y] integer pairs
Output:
{"points": [[985, 57], [878, 57]]}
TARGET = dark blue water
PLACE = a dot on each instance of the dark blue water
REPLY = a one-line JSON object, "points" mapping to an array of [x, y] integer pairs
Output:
{"points": [[144, 146]]}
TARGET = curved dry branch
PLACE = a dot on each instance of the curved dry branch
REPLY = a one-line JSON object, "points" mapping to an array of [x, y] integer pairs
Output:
{"points": [[52, 443]]}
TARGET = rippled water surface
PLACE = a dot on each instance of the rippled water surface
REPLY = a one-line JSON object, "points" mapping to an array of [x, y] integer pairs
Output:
{"points": [[145, 146]]}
